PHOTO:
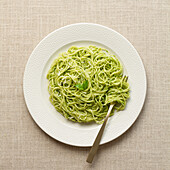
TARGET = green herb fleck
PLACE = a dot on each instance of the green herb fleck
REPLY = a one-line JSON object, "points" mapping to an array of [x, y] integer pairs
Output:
{"points": [[82, 86]]}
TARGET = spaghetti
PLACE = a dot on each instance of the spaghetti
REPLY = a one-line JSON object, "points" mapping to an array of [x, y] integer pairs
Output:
{"points": [[84, 81]]}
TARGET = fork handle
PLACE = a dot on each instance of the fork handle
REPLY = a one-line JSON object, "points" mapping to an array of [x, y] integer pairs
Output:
{"points": [[96, 143]]}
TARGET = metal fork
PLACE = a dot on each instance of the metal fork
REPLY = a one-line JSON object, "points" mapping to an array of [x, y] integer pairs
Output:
{"points": [[96, 143]]}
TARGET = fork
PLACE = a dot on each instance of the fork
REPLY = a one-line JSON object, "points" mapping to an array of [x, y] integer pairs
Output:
{"points": [[96, 143]]}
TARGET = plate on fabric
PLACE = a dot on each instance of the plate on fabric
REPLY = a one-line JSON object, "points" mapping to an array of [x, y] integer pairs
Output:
{"points": [[35, 83]]}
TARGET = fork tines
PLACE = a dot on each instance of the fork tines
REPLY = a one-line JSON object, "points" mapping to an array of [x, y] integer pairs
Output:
{"points": [[125, 78]]}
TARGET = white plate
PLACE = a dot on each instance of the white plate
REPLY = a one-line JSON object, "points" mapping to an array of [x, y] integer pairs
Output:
{"points": [[35, 83]]}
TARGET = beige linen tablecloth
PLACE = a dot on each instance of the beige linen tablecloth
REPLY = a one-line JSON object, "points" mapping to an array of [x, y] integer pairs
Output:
{"points": [[146, 24]]}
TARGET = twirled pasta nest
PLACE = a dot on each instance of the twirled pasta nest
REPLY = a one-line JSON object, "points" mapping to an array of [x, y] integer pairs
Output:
{"points": [[84, 81]]}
